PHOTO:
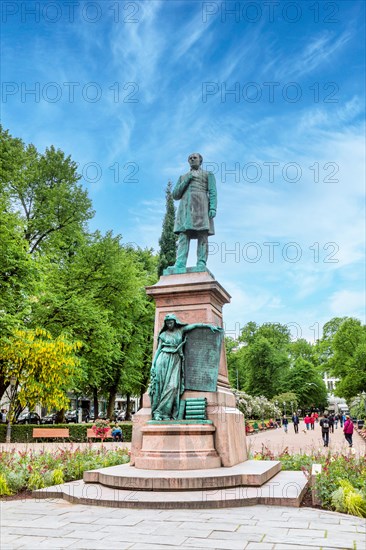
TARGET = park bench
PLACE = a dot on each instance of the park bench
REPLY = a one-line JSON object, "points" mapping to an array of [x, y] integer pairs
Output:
{"points": [[42, 433], [90, 434]]}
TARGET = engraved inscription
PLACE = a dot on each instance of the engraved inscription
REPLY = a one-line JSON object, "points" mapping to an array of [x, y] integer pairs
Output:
{"points": [[201, 359]]}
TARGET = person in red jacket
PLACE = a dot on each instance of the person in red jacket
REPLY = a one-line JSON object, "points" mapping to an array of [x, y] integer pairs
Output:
{"points": [[348, 430], [312, 421], [307, 421]]}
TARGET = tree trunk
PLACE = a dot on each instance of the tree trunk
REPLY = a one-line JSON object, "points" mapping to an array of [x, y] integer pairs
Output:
{"points": [[96, 404], [3, 386], [111, 403], [128, 406]]}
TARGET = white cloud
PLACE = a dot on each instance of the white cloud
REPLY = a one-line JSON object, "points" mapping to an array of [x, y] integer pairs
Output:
{"points": [[349, 303]]}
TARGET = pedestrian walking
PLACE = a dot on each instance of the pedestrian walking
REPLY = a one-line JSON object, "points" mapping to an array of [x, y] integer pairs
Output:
{"points": [[324, 424], [285, 423], [312, 421], [331, 423], [307, 421], [336, 419], [348, 430], [341, 419], [295, 421]]}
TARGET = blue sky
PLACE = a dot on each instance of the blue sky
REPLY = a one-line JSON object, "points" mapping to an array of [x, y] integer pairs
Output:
{"points": [[129, 89]]}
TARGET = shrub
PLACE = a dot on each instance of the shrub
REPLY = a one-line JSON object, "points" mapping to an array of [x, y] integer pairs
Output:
{"points": [[4, 489], [348, 499], [22, 433], [34, 470]]}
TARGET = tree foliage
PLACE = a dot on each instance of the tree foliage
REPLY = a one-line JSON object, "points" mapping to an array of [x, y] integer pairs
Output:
{"points": [[348, 361], [54, 274], [168, 239], [303, 379], [98, 296], [263, 357], [45, 368], [44, 189]]}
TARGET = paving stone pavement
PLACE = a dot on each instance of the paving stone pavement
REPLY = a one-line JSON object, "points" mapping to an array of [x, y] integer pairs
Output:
{"points": [[56, 524]]}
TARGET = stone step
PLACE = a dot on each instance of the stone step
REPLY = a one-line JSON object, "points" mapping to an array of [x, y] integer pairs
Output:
{"points": [[124, 476], [285, 489]]}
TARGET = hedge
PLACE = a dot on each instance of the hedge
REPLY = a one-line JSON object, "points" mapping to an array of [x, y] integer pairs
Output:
{"points": [[22, 433]]}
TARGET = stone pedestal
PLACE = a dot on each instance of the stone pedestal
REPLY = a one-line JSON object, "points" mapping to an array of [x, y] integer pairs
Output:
{"points": [[197, 298], [178, 447]]}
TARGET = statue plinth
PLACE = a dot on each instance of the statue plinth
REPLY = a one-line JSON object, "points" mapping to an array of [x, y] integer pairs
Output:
{"points": [[196, 297]]}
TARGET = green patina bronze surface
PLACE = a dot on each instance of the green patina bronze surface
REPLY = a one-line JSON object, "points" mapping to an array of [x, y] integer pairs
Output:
{"points": [[168, 372], [172, 270], [179, 422], [202, 359], [196, 409], [197, 194]]}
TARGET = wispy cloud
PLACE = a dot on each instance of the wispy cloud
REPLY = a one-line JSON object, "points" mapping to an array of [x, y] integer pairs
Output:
{"points": [[314, 54]]}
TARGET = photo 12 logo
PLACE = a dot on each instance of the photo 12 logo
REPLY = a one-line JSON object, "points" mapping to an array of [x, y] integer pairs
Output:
{"points": [[234, 330], [269, 92], [273, 171], [70, 12], [92, 172], [69, 92], [271, 252], [270, 12]]}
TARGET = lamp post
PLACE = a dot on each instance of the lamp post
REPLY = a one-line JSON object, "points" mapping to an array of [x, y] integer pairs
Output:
{"points": [[284, 407], [13, 382]]}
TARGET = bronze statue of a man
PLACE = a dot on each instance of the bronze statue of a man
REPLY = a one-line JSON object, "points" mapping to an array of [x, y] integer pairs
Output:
{"points": [[197, 194]]}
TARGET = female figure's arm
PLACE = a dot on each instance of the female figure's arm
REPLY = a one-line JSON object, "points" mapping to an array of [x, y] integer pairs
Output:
{"points": [[213, 328], [157, 353]]}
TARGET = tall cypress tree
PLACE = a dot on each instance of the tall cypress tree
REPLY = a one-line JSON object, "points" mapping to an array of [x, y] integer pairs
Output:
{"points": [[168, 239]]}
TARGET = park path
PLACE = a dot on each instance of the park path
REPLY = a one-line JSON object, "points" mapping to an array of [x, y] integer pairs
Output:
{"points": [[276, 440], [306, 441]]}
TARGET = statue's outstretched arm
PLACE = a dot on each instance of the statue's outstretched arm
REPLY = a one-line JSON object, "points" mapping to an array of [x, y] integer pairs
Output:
{"points": [[214, 328]]}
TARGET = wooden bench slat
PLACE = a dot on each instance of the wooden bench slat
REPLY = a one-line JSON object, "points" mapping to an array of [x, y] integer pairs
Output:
{"points": [[90, 433], [50, 432]]}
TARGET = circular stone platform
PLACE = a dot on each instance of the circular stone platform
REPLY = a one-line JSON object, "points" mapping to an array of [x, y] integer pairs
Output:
{"points": [[250, 473]]}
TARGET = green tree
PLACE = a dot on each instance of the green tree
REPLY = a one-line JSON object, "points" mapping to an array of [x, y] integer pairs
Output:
{"points": [[305, 381], [98, 296], [264, 357], [348, 361], [44, 189], [266, 364], [168, 239], [324, 346], [290, 399], [236, 363], [19, 276], [303, 348], [43, 367]]}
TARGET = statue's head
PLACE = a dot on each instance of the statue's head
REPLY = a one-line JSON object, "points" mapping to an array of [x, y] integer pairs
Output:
{"points": [[171, 322], [195, 160]]}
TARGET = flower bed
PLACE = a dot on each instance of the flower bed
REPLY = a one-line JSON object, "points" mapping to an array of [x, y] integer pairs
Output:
{"points": [[30, 470], [340, 486], [362, 432]]}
